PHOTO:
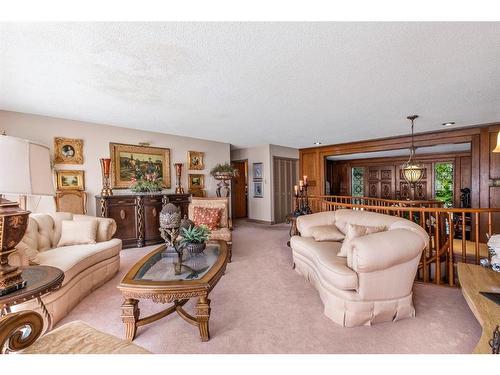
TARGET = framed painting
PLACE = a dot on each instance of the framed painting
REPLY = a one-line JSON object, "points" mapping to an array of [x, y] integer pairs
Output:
{"points": [[196, 181], [70, 180], [131, 163], [258, 171], [196, 160], [68, 151], [258, 189], [198, 193]]}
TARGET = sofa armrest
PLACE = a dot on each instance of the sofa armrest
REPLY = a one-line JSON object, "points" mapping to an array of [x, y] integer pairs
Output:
{"points": [[306, 222], [379, 251], [19, 259]]}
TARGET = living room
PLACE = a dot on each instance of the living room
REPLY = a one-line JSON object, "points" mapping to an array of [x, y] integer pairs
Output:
{"points": [[225, 186]]}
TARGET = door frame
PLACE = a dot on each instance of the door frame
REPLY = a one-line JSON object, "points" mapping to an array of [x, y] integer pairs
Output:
{"points": [[246, 189]]}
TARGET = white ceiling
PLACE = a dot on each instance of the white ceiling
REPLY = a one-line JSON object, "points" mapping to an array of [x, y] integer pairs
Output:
{"points": [[444, 148], [253, 83]]}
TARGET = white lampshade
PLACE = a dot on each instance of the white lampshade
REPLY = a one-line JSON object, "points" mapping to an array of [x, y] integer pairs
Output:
{"points": [[24, 167]]}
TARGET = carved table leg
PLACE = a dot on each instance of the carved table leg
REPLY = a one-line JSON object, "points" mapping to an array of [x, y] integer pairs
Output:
{"points": [[130, 316], [202, 316], [230, 251], [46, 314]]}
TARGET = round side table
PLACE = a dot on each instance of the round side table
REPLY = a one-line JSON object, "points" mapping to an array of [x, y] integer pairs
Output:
{"points": [[40, 280]]}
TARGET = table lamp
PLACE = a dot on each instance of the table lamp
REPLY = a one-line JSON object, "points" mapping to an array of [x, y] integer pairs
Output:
{"points": [[24, 170]]}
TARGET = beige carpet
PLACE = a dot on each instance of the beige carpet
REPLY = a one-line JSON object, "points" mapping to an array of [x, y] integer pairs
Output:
{"points": [[262, 306]]}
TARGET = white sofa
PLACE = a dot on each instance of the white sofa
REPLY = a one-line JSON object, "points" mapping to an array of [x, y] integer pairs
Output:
{"points": [[85, 267], [377, 284]]}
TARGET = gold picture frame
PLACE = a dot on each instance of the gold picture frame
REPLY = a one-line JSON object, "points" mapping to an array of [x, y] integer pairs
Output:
{"points": [[70, 180], [196, 181], [199, 193], [196, 160], [68, 151], [124, 158]]}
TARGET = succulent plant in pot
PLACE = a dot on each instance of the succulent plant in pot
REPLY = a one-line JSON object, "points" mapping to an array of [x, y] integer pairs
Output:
{"points": [[194, 238]]}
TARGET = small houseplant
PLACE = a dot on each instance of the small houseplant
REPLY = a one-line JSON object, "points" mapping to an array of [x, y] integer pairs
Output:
{"points": [[194, 237], [224, 172]]}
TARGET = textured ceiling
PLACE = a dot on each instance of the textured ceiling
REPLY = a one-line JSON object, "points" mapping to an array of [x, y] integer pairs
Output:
{"points": [[253, 83]]}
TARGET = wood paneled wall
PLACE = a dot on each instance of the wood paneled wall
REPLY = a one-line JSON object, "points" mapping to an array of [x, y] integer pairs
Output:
{"points": [[484, 171]]}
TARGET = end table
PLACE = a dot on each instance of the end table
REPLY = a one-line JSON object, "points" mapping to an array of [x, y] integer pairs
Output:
{"points": [[40, 280]]}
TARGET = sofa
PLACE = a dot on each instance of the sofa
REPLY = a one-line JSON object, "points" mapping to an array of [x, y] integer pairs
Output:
{"points": [[86, 267], [223, 233], [374, 282]]}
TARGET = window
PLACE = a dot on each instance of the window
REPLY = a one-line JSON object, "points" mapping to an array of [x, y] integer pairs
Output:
{"points": [[358, 182], [443, 183]]}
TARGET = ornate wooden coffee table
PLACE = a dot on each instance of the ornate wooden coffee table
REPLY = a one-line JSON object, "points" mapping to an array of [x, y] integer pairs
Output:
{"points": [[161, 277]]}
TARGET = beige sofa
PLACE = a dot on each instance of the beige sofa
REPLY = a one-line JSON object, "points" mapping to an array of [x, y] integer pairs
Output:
{"points": [[377, 284], [86, 267]]}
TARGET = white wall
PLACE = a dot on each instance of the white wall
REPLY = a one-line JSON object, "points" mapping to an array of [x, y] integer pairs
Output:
{"points": [[262, 208], [96, 139]]}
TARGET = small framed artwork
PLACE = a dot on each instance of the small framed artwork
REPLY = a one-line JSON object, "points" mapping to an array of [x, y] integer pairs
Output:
{"points": [[70, 180], [196, 160], [258, 171], [196, 181], [258, 189], [68, 151], [200, 193]]}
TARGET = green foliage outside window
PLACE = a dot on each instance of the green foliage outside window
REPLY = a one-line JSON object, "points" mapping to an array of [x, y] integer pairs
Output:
{"points": [[444, 183]]}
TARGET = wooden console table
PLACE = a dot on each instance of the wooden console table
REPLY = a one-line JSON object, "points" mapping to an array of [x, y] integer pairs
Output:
{"points": [[474, 279], [137, 216]]}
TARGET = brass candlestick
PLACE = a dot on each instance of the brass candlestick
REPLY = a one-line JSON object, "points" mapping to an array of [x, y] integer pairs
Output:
{"points": [[178, 172], [105, 169]]}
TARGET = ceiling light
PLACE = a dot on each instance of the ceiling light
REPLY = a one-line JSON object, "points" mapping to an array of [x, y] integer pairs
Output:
{"points": [[413, 171], [449, 123], [317, 143]]}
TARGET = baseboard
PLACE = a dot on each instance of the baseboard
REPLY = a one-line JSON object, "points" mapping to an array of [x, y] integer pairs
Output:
{"points": [[260, 221]]}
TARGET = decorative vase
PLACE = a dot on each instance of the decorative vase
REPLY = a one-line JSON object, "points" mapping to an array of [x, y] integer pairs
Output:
{"points": [[196, 248], [178, 172], [105, 170]]}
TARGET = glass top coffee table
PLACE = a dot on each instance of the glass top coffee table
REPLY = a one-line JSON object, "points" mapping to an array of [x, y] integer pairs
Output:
{"points": [[164, 277]]}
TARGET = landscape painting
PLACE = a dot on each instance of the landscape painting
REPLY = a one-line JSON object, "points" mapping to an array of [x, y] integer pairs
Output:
{"points": [[131, 163]]}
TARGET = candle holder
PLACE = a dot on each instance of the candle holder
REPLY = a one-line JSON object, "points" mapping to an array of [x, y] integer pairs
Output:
{"points": [[178, 172], [302, 199], [105, 170]]}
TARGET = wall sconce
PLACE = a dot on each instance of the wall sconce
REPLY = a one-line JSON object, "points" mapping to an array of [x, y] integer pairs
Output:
{"points": [[497, 149]]}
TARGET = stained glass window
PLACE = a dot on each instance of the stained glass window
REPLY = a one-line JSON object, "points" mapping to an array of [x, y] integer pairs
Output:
{"points": [[358, 182]]}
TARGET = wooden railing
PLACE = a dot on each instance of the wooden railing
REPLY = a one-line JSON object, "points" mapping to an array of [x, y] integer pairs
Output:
{"points": [[369, 201], [445, 249]]}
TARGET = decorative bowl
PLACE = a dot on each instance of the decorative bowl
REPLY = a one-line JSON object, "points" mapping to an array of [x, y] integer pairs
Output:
{"points": [[196, 248]]}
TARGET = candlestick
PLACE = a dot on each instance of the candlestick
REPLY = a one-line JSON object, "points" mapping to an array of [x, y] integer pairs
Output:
{"points": [[296, 189], [305, 180]]}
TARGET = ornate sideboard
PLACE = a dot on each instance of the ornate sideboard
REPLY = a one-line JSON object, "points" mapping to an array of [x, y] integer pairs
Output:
{"points": [[137, 215]]}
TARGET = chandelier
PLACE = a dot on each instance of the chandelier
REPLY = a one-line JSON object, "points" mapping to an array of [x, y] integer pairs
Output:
{"points": [[413, 171]]}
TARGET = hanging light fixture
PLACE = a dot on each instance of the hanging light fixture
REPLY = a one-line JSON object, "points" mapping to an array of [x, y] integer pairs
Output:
{"points": [[413, 171]]}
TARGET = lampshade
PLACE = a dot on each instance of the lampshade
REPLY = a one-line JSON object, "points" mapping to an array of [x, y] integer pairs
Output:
{"points": [[24, 167], [497, 148]]}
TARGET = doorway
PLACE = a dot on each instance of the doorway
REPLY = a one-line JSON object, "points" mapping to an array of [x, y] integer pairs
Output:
{"points": [[240, 190], [285, 176]]}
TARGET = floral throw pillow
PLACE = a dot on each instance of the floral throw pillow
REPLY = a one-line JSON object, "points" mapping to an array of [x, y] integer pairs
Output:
{"points": [[207, 216]]}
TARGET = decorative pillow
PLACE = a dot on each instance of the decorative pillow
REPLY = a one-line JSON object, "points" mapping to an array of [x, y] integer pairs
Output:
{"points": [[342, 226], [354, 231], [326, 233], [78, 232], [207, 216]]}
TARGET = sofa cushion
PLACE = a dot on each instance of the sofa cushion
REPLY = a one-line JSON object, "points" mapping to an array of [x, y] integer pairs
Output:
{"points": [[78, 233], [326, 233], [74, 259], [332, 268], [354, 231], [106, 227]]}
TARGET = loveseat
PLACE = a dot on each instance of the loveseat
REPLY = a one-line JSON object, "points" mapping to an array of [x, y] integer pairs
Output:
{"points": [[86, 267], [373, 283]]}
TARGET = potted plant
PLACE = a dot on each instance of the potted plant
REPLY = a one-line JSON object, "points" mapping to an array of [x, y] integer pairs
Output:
{"points": [[194, 237], [147, 183], [224, 172]]}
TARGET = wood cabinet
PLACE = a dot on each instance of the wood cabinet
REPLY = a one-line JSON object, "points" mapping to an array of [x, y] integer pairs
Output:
{"points": [[137, 216]]}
